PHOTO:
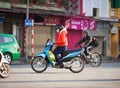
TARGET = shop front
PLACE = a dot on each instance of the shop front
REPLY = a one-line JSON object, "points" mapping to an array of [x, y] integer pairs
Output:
{"points": [[76, 26]]}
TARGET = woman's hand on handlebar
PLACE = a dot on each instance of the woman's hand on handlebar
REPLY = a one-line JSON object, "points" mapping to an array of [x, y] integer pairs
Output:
{"points": [[54, 42]]}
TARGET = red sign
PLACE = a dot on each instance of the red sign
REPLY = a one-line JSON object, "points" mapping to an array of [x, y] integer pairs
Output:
{"points": [[52, 20]]}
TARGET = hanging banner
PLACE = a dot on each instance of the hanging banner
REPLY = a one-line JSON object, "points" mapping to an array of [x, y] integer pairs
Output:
{"points": [[81, 24]]}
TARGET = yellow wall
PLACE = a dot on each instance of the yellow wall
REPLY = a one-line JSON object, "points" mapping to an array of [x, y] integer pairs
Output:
{"points": [[115, 13], [114, 45]]}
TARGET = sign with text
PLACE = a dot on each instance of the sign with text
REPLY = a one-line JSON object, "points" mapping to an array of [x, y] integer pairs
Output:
{"points": [[29, 22], [82, 24]]}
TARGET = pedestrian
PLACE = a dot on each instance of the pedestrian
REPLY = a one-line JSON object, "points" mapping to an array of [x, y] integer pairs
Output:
{"points": [[61, 43]]}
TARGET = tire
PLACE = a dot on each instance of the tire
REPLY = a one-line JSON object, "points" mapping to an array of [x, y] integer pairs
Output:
{"points": [[39, 64], [79, 62], [5, 70], [95, 59], [8, 57]]}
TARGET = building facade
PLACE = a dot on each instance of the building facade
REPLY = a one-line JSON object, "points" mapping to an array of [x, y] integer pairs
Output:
{"points": [[81, 14], [46, 14]]}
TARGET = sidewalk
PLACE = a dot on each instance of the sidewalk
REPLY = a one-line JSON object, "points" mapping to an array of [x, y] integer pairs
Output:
{"points": [[105, 59], [109, 59]]}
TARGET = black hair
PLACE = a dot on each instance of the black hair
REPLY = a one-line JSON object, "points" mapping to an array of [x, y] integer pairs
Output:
{"points": [[60, 27]]}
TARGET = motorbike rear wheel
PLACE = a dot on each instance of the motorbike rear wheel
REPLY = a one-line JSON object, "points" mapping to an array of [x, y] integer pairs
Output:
{"points": [[4, 70], [95, 59], [39, 64], [77, 64]]}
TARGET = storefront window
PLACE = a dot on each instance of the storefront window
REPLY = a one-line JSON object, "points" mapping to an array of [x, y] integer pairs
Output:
{"points": [[115, 3]]}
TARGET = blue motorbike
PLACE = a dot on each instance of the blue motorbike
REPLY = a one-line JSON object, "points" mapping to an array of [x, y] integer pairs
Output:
{"points": [[71, 59]]}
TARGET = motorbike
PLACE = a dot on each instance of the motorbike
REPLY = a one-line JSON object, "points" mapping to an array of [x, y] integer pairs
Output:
{"points": [[4, 67], [71, 59], [94, 59]]}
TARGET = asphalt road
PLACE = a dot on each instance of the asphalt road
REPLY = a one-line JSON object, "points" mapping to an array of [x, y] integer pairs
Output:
{"points": [[105, 76]]}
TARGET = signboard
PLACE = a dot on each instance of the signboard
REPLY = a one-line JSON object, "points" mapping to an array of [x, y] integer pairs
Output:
{"points": [[82, 24], [29, 22], [53, 20]]}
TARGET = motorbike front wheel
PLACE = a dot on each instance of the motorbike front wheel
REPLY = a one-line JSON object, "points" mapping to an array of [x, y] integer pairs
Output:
{"points": [[95, 60], [4, 70], [39, 64], [77, 64]]}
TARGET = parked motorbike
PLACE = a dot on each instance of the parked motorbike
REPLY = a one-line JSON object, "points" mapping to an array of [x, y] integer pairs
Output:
{"points": [[4, 67], [71, 59]]}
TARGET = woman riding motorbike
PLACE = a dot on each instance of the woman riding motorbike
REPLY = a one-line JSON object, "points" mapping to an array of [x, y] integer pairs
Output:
{"points": [[61, 43]]}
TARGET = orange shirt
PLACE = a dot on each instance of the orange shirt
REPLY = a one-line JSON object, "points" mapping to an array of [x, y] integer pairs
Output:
{"points": [[62, 38]]}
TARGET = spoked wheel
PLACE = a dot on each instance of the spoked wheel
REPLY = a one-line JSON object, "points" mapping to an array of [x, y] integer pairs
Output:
{"points": [[4, 70], [39, 64], [77, 64], [8, 57], [95, 60]]}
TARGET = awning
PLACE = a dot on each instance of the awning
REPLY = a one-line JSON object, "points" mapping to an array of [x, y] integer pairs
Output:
{"points": [[98, 32], [39, 9], [106, 19]]}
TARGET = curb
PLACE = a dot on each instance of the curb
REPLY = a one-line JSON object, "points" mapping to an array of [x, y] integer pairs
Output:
{"points": [[105, 59]]}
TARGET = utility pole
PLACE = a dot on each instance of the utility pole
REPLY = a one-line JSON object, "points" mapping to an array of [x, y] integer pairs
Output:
{"points": [[27, 17]]}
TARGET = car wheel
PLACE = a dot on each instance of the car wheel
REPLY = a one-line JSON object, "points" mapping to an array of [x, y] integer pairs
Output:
{"points": [[8, 57]]}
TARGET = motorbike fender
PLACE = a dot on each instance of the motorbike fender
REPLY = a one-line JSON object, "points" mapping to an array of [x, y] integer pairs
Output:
{"points": [[4, 61], [40, 55]]}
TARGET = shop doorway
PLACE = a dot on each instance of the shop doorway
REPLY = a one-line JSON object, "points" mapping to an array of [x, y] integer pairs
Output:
{"points": [[7, 27], [114, 45], [19, 37]]}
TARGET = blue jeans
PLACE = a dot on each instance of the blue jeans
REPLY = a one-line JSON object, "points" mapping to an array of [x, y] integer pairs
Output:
{"points": [[58, 50]]}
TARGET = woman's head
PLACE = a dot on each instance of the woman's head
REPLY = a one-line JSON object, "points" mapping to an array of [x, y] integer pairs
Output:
{"points": [[59, 28]]}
